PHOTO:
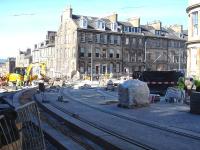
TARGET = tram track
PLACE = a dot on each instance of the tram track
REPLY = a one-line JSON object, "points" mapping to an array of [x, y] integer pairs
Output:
{"points": [[176, 131], [99, 127], [167, 130]]}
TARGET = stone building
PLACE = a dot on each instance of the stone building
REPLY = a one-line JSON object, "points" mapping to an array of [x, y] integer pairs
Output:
{"points": [[44, 52], [8, 66], [3, 70], [165, 46], [193, 44], [108, 45], [24, 58]]}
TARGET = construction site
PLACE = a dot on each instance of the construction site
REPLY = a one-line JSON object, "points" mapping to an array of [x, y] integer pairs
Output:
{"points": [[99, 83], [141, 111]]}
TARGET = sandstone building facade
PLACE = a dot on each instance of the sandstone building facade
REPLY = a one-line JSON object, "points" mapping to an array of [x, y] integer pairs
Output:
{"points": [[96, 46], [24, 58], [193, 44], [44, 52]]}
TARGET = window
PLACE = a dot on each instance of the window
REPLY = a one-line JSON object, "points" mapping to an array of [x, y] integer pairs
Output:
{"points": [[111, 39], [89, 53], [82, 52], [117, 67], [97, 53], [134, 29], [157, 43], [89, 68], [104, 53], [100, 25], [97, 69], [82, 37], [83, 23], [118, 40], [111, 68], [127, 41], [104, 39], [135, 57], [103, 25], [175, 59], [172, 44], [104, 68], [81, 69], [126, 29], [117, 54], [157, 32], [114, 26], [134, 41], [90, 37], [97, 38], [195, 23], [140, 42], [111, 53]]}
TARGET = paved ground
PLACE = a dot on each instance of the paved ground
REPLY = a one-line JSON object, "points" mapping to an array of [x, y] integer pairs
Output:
{"points": [[172, 115]]}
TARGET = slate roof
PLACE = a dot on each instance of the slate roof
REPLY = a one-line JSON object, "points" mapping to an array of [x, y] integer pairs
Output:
{"points": [[147, 30]]}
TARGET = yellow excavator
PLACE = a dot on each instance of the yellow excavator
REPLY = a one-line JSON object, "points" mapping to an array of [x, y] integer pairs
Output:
{"points": [[35, 71], [17, 77]]}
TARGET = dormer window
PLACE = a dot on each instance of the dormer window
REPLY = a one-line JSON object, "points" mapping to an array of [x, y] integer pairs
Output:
{"points": [[101, 25], [136, 29], [157, 32], [126, 29], [83, 23], [114, 26]]}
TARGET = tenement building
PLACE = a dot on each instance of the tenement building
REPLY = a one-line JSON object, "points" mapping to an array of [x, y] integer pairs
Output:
{"points": [[95, 46], [193, 44], [24, 58], [44, 52]]}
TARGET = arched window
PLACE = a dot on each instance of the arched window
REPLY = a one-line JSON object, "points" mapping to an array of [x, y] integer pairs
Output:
{"points": [[118, 54], [111, 53], [104, 53]]}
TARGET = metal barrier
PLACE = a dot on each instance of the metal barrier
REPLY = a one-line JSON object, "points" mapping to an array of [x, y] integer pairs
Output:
{"points": [[25, 132], [9, 136], [31, 132]]}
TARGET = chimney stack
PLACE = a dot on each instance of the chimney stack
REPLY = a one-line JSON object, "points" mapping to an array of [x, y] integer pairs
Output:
{"points": [[135, 21], [156, 24], [113, 17], [177, 28], [67, 14]]}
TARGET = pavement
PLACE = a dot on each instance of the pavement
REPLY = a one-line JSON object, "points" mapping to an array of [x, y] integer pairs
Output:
{"points": [[172, 115]]}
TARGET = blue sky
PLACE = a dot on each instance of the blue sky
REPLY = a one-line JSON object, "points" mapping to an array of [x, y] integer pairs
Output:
{"points": [[25, 22]]}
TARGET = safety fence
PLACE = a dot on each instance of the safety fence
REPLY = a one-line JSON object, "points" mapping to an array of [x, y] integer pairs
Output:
{"points": [[25, 132]]}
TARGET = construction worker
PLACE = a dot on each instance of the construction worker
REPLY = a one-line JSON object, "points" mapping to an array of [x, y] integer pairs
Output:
{"points": [[25, 80]]}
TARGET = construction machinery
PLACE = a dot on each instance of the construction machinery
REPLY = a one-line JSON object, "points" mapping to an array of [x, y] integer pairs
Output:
{"points": [[17, 77], [35, 71]]}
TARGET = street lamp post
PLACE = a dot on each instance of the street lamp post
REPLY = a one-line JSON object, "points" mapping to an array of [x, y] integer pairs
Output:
{"points": [[91, 70], [179, 59], [145, 54]]}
